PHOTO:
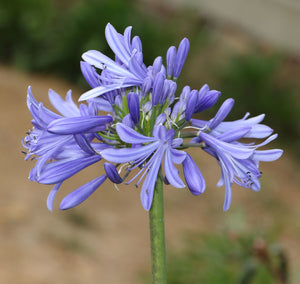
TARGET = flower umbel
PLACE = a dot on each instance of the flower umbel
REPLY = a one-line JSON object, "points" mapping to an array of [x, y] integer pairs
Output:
{"points": [[132, 119]]}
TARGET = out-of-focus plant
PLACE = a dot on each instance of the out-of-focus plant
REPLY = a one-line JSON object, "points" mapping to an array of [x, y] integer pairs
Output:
{"points": [[42, 35], [256, 82], [227, 258]]}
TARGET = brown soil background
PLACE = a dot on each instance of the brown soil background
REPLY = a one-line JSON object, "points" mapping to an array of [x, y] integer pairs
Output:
{"points": [[105, 240]]}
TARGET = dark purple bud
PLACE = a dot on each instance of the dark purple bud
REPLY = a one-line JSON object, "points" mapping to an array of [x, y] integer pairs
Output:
{"points": [[133, 103], [171, 56], [166, 182], [112, 173], [193, 176], [80, 124], [182, 53], [190, 105], [81, 194], [157, 65], [157, 88]]}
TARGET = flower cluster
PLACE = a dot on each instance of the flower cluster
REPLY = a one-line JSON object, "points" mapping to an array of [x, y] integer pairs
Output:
{"points": [[143, 128]]}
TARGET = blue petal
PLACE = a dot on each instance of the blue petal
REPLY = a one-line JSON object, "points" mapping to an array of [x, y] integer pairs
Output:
{"points": [[116, 43], [127, 120], [193, 176], [112, 173], [171, 56], [177, 156], [160, 120], [149, 183], [223, 111], [199, 123], [237, 151], [84, 144], [90, 74], [128, 154], [171, 171], [66, 108], [51, 196], [137, 67], [98, 91], [181, 56], [81, 194], [228, 191], [59, 171], [234, 134], [190, 106], [101, 61], [73, 125], [133, 103], [157, 88], [206, 98], [267, 155], [137, 44], [128, 135]]}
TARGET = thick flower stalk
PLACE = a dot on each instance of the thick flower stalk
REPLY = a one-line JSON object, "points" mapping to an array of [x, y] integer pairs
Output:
{"points": [[143, 127]]}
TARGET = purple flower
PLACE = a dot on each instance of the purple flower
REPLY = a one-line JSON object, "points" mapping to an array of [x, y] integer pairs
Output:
{"points": [[126, 71], [60, 156], [144, 129], [238, 161], [149, 157]]}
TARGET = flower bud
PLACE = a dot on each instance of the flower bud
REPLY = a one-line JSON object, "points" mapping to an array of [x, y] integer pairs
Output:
{"points": [[112, 173], [171, 56], [133, 103], [182, 53]]}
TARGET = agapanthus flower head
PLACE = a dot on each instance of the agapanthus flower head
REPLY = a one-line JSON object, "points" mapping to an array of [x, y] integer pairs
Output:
{"points": [[138, 130]]}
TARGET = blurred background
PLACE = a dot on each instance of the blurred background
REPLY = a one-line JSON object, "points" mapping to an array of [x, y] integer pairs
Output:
{"points": [[249, 50]]}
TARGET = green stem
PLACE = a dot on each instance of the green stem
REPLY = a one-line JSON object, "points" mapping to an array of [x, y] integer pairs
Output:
{"points": [[157, 235]]}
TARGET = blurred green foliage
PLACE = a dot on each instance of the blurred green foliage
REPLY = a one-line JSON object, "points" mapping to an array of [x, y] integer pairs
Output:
{"points": [[226, 258], [50, 36], [256, 84]]}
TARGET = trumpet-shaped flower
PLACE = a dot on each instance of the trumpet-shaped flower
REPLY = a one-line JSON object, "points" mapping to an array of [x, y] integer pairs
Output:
{"points": [[145, 130], [149, 157]]}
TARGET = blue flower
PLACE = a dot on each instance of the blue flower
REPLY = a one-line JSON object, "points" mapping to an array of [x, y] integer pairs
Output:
{"points": [[126, 71], [238, 161], [149, 157], [58, 142], [144, 129]]}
